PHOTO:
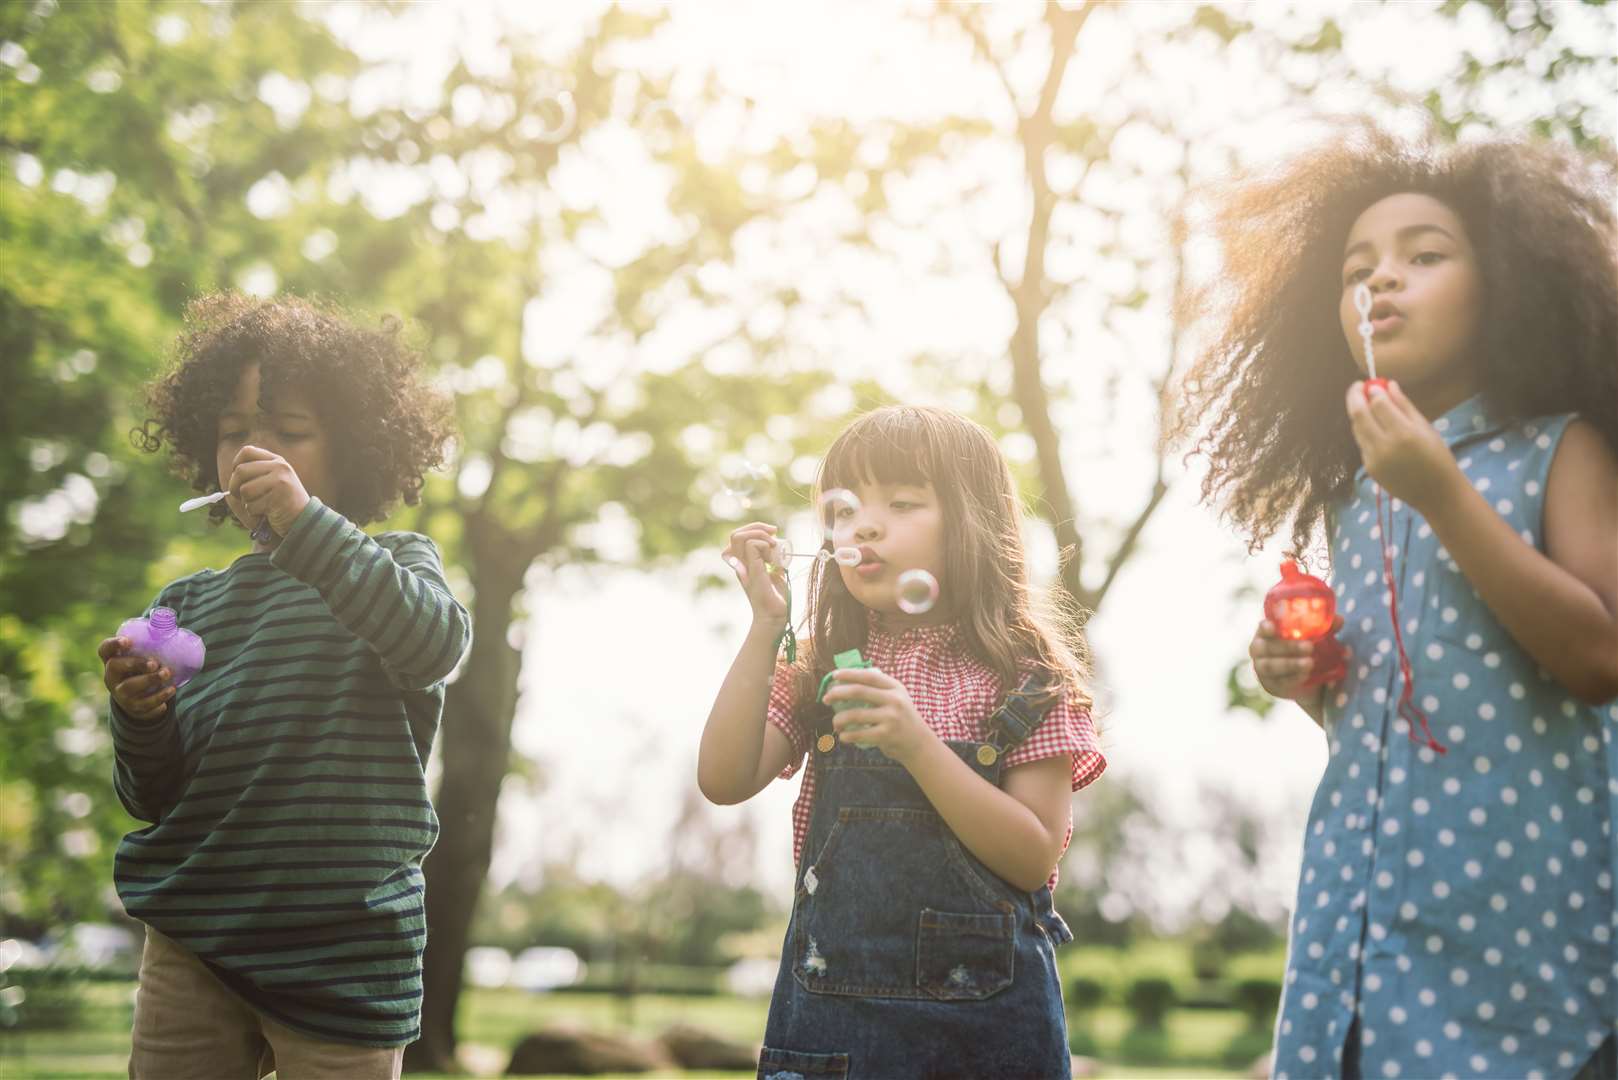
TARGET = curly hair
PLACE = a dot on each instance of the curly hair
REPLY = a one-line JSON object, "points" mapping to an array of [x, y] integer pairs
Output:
{"points": [[1005, 623], [1265, 397], [387, 426]]}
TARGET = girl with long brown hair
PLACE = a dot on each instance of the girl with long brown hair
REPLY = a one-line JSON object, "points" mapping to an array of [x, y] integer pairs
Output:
{"points": [[936, 802]]}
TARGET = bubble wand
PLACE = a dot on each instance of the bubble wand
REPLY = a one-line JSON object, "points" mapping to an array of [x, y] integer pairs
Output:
{"points": [[262, 533], [1407, 708]]}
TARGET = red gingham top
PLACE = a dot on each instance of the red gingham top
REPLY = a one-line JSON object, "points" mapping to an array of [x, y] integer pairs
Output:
{"points": [[955, 694]]}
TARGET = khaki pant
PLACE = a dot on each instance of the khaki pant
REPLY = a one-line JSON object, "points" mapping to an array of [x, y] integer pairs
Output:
{"points": [[189, 1026]]}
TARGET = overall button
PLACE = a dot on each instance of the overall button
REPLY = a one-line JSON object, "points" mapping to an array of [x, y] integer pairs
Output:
{"points": [[987, 755], [825, 743]]}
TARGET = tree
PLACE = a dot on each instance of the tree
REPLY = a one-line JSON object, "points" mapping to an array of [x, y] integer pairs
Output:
{"points": [[568, 452], [132, 137]]}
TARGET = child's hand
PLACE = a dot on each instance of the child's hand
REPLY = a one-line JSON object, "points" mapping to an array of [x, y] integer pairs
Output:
{"points": [[750, 547], [1402, 451], [888, 721], [137, 684], [264, 485], [1283, 665]]}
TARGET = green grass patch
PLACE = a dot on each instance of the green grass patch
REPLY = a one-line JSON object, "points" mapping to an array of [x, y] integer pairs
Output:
{"points": [[492, 1022]]}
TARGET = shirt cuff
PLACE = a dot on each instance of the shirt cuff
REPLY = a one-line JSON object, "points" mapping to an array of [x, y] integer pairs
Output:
{"points": [[313, 544]]}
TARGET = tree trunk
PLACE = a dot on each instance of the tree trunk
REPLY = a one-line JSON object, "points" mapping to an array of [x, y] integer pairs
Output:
{"points": [[476, 742]]}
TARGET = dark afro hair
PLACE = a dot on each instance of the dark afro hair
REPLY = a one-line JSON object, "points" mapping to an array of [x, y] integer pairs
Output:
{"points": [[1265, 397], [385, 426]]}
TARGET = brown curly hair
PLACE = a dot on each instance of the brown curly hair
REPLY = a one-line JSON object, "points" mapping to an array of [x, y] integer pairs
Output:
{"points": [[387, 426], [1265, 397], [1005, 624]]}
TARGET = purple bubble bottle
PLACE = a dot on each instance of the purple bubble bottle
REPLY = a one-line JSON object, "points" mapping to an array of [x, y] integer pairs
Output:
{"points": [[159, 637]]}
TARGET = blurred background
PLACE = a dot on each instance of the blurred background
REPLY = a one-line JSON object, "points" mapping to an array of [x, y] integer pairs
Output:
{"points": [[660, 254]]}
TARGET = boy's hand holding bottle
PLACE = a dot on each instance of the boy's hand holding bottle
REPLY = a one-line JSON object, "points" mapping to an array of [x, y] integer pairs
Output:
{"points": [[138, 684]]}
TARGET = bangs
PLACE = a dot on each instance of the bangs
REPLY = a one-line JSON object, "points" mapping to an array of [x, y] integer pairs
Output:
{"points": [[894, 445]]}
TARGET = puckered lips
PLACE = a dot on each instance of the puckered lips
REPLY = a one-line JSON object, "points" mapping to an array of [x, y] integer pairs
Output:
{"points": [[1386, 318], [871, 564]]}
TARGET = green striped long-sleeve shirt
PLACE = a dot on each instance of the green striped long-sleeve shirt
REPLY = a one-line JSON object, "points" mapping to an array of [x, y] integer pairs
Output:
{"points": [[286, 785]]}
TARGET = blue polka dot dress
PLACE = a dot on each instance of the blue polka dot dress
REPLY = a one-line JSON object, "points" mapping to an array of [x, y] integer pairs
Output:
{"points": [[1459, 906]]}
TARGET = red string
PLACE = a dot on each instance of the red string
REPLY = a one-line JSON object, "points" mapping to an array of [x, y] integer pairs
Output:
{"points": [[1407, 697]]}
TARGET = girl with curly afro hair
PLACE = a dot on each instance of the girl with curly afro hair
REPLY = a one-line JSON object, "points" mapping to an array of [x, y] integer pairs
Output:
{"points": [[1469, 501], [280, 875]]}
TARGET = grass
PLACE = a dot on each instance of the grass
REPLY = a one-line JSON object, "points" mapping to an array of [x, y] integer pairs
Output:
{"points": [[492, 1021]]}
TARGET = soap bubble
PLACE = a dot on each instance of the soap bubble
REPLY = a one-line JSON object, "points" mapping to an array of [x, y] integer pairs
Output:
{"points": [[847, 556], [559, 114], [834, 504], [744, 480], [918, 592]]}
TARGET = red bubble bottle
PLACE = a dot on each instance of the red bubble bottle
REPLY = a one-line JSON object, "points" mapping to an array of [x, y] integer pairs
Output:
{"points": [[160, 637], [1303, 607]]}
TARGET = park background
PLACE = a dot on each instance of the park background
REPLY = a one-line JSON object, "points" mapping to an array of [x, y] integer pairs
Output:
{"points": [[644, 244]]}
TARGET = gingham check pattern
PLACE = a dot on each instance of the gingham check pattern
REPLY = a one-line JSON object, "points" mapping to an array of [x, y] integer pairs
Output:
{"points": [[955, 694]]}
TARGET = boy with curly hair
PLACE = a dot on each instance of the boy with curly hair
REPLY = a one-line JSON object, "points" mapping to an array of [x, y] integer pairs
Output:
{"points": [[280, 878]]}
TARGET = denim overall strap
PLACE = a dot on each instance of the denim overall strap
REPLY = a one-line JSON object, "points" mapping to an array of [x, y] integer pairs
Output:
{"points": [[906, 956], [1017, 717]]}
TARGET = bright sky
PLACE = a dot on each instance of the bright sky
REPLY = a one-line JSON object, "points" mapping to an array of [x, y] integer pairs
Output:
{"points": [[613, 721]]}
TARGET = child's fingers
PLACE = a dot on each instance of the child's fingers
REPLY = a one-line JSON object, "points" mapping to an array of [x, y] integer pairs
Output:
{"points": [[863, 676], [252, 453], [1283, 669], [255, 477], [148, 708], [111, 647], [839, 692], [1360, 417], [863, 720], [143, 694], [120, 668], [1383, 411], [256, 487], [1406, 407], [754, 531], [1262, 648]]}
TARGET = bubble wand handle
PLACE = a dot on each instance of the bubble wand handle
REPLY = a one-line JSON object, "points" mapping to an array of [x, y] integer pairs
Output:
{"points": [[1406, 708]]}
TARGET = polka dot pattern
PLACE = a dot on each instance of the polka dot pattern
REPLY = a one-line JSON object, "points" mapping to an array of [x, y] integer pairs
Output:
{"points": [[1460, 906]]}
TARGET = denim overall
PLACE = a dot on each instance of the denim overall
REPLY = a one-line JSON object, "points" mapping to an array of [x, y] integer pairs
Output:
{"points": [[905, 955]]}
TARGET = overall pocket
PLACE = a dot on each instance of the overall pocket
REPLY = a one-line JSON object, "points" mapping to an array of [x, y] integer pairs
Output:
{"points": [[965, 957], [892, 907]]}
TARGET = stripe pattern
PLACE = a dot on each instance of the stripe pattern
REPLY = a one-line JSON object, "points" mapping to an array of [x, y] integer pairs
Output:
{"points": [[286, 787]]}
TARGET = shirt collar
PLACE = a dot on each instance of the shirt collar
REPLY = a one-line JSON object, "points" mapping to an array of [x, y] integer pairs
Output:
{"points": [[1466, 421], [934, 634]]}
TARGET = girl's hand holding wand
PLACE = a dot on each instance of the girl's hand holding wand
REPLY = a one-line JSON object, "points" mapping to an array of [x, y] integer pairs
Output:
{"points": [[1400, 447], [749, 554], [889, 720]]}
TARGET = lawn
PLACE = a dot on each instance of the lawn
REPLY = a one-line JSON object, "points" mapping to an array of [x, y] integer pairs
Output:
{"points": [[493, 1020]]}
